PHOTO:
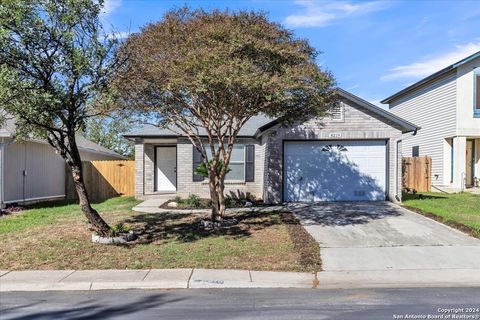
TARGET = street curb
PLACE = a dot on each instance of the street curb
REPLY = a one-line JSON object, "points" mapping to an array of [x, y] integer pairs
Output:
{"points": [[90, 280]]}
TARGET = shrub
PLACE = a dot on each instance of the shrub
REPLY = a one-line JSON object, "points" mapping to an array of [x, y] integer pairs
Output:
{"points": [[193, 201], [239, 199]]}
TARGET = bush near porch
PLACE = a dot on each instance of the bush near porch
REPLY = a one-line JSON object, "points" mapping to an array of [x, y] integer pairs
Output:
{"points": [[55, 236], [459, 210]]}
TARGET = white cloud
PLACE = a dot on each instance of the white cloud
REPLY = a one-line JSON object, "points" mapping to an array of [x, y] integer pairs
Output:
{"points": [[110, 6], [322, 13], [118, 35], [430, 65]]}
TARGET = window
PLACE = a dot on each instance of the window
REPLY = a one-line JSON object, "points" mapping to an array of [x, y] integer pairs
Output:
{"points": [[237, 163], [476, 91], [241, 163], [337, 112], [415, 151]]}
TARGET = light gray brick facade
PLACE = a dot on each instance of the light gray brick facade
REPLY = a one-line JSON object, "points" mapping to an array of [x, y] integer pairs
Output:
{"points": [[357, 124]]}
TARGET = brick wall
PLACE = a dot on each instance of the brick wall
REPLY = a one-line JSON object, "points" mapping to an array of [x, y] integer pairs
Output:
{"points": [[357, 124], [186, 185]]}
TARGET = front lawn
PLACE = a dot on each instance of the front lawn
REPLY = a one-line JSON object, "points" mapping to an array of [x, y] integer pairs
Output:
{"points": [[460, 210], [55, 236]]}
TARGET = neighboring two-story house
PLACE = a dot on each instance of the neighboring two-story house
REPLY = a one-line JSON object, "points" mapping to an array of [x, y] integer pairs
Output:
{"points": [[446, 105]]}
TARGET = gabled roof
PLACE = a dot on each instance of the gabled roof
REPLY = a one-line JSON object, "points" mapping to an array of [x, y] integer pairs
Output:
{"points": [[150, 131], [87, 145], [259, 124], [432, 77], [8, 131], [404, 124]]}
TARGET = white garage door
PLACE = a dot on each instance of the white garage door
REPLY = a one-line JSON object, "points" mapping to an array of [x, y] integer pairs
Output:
{"points": [[334, 170]]}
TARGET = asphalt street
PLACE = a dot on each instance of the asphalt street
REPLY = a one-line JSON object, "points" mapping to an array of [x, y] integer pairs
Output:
{"points": [[419, 303]]}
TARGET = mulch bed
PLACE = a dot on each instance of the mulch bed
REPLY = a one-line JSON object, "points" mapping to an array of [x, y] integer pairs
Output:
{"points": [[303, 242], [205, 204], [461, 227]]}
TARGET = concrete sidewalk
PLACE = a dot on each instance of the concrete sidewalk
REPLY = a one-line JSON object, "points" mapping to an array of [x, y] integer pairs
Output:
{"points": [[57, 280], [46, 280]]}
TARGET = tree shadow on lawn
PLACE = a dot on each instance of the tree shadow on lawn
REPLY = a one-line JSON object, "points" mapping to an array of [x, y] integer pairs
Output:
{"points": [[186, 227]]}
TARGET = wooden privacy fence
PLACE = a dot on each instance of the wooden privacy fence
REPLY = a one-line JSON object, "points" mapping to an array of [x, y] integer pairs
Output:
{"points": [[417, 173], [105, 179]]}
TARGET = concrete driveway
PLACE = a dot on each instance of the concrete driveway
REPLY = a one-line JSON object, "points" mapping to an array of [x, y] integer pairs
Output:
{"points": [[356, 236]]}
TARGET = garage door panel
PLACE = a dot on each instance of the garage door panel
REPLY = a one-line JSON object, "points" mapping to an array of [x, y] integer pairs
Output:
{"points": [[334, 171]]}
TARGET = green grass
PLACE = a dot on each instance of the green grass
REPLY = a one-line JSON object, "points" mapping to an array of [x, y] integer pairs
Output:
{"points": [[460, 208], [55, 236], [51, 213]]}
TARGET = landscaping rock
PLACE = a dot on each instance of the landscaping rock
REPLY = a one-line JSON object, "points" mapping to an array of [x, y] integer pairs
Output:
{"points": [[172, 204], [209, 224], [120, 239]]}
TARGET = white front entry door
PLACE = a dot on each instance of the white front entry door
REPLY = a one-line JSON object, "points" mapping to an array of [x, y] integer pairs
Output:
{"points": [[334, 170], [166, 169]]}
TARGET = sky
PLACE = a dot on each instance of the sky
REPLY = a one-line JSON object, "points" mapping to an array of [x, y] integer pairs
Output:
{"points": [[373, 48]]}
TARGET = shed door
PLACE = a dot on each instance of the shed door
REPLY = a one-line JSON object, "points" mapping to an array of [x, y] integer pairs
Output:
{"points": [[334, 170]]}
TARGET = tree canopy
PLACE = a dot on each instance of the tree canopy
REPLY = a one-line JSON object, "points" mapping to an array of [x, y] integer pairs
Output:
{"points": [[205, 74], [55, 65]]}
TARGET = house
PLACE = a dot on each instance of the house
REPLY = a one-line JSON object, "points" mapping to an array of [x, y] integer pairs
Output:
{"points": [[32, 170], [351, 154], [447, 107]]}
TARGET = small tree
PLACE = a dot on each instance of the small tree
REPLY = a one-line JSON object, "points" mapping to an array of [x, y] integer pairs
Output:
{"points": [[55, 62], [107, 131], [205, 74]]}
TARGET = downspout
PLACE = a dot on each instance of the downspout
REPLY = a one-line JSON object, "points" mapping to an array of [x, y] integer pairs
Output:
{"points": [[2, 171], [397, 158], [396, 172]]}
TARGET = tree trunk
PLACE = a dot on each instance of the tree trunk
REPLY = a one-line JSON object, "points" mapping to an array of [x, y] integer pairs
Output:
{"points": [[213, 196], [97, 224], [69, 151], [221, 198]]}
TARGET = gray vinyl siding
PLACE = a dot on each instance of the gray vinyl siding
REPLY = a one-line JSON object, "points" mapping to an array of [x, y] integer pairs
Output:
{"points": [[45, 172], [433, 108], [44, 168]]}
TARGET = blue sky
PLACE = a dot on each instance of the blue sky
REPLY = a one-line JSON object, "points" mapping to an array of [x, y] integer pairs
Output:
{"points": [[373, 48]]}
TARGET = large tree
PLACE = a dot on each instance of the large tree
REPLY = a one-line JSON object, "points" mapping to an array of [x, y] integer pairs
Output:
{"points": [[55, 62], [205, 74]]}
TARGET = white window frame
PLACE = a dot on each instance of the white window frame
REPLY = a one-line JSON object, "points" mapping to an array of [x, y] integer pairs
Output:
{"points": [[244, 161]]}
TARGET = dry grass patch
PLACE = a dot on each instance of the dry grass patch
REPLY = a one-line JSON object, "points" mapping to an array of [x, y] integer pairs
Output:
{"points": [[260, 241]]}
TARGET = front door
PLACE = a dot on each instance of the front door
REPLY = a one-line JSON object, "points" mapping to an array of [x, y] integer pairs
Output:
{"points": [[469, 165], [166, 171]]}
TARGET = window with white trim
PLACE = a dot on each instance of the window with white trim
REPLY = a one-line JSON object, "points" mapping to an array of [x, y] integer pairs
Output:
{"points": [[237, 162]]}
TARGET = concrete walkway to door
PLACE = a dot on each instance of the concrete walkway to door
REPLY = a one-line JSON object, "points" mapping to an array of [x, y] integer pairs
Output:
{"points": [[359, 236]]}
